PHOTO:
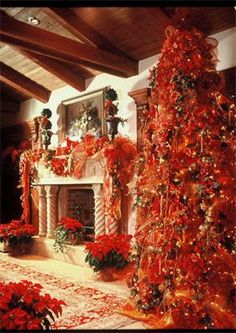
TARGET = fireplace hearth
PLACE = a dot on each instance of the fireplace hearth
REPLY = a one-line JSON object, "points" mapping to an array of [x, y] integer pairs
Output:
{"points": [[79, 204]]}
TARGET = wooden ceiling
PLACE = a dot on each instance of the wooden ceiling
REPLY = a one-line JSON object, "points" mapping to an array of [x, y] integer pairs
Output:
{"points": [[72, 44]]}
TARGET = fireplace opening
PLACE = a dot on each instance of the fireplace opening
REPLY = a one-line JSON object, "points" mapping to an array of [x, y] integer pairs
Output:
{"points": [[81, 206]]}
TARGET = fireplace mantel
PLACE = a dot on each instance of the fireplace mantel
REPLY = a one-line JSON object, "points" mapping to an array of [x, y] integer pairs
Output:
{"points": [[52, 202], [70, 181]]}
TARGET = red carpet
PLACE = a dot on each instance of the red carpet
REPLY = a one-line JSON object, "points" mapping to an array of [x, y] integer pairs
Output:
{"points": [[87, 307]]}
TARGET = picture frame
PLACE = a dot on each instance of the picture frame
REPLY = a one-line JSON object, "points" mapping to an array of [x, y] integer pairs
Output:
{"points": [[83, 115]]}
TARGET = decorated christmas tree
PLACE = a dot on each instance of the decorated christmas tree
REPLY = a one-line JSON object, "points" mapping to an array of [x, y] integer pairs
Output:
{"points": [[185, 266]]}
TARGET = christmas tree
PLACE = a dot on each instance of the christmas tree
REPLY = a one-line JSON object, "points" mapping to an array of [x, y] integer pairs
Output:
{"points": [[185, 266]]}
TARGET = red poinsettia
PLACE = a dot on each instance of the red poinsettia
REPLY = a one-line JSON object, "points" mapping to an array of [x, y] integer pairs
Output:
{"points": [[16, 231], [22, 307], [70, 224], [108, 251], [68, 228]]}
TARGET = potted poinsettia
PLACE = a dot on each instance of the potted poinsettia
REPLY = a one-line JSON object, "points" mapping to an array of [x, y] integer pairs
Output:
{"points": [[17, 237], [24, 308], [68, 231], [109, 255]]}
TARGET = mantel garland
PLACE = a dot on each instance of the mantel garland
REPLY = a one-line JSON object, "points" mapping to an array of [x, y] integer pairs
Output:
{"points": [[119, 156]]}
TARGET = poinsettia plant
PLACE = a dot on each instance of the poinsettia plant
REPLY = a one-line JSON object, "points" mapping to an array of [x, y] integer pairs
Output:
{"points": [[108, 251], [68, 230], [23, 307], [16, 232]]}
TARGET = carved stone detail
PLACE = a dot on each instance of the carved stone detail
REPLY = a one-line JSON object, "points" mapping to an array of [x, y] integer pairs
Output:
{"points": [[42, 212], [99, 210], [52, 209], [112, 227]]}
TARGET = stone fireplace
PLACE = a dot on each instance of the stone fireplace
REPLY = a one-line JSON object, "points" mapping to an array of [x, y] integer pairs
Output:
{"points": [[80, 198]]}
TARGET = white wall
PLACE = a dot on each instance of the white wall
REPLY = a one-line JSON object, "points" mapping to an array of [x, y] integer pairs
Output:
{"points": [[226, 48]]}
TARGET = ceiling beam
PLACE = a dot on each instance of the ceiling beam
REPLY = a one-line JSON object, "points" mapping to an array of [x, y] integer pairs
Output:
{"points": [[79, 28], [57, 68], [23, 84], [8, 105], [62, 48], [159, 14], [27, 46]]}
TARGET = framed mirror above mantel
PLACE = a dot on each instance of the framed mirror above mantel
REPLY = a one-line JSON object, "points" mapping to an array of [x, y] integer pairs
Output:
{"points": [[82, 115]]}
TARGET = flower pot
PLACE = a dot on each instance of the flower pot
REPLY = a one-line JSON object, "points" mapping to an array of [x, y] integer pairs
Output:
{"points": [[20, 248], [112, 274], [124, 273], [106, 274], [73, 240]]}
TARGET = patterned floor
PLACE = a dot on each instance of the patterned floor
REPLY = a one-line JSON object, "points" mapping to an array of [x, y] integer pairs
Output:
{"points": [[90, 304]]}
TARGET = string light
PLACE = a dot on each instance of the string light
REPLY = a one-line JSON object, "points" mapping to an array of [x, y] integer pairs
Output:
{"points": [[183, 151]]}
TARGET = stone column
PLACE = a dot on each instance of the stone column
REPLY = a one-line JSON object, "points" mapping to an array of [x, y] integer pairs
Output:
{"points": [[99, 210], [52, 209], [42, 212]]}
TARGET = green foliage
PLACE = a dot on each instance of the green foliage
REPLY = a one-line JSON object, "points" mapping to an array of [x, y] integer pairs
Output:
{"points": [[62, 237], [14, 240], [111, 259], [46, 113], [111, 94]]}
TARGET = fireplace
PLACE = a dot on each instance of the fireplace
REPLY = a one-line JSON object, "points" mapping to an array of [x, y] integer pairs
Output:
{"points": [[68, 196], [78, 202]]}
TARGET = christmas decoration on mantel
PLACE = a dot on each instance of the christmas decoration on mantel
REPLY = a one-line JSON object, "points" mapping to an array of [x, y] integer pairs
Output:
{"points": [[45, 126], [117, 153], [185, 235], [111, 110]]}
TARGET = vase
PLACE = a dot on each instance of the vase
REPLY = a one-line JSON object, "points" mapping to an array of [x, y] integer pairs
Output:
{"points": [[106, 274], [73, 240], [112, 274], [125, 273], [20, 248]]}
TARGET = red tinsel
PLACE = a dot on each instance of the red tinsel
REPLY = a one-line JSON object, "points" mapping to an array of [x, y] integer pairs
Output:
{"points": [[59, 166], [185, 268], [120, 155]]}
